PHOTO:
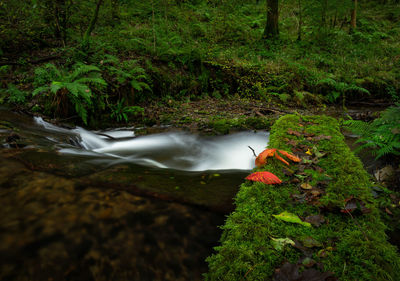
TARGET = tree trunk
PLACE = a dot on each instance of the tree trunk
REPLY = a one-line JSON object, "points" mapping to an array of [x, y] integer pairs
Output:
{"points": [[115, 10], [353, 20], [271, 29], [300, 21], [92, 21]]}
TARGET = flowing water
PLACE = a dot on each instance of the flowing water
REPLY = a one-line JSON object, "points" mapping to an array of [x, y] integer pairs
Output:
{"points": [[109, 205]]}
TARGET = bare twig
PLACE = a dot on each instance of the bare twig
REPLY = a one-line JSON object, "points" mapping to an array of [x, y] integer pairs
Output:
{"points": [[254, 153]]}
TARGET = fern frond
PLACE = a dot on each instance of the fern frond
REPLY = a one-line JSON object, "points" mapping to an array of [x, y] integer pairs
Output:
{"points": [[353, 87], [92, 81], [79, 90], [40, 90], [110, 59], [383, 134], [56, 86], [81, 111], [81, 70]]}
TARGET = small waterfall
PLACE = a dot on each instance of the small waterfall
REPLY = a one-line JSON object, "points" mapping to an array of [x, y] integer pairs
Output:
{"points": [[173, 150]]}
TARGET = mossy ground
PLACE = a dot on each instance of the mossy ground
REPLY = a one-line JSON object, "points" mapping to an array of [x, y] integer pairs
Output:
{"points": [[354, 247]]}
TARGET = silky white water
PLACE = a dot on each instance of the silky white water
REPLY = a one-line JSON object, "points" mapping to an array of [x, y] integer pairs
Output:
{"points": [[173, 150]]}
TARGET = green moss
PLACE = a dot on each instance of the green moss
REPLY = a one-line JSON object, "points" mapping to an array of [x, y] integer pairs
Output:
{"points": [[356, 246]]}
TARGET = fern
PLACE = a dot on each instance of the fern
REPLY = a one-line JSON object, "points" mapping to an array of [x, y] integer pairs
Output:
{"points": [[382, 134], [127, 73], [121, 112], [77, 84], [13, 94], [340, 88]]}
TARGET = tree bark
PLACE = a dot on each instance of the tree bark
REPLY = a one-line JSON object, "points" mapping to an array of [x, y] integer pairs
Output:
{"points": [[93, 21], [353, 20], [300, 21], [271, 29]]}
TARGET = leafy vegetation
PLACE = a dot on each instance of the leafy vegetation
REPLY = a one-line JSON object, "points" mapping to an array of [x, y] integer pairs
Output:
{"points": [[121, 112], [75, 87], [382, 134], [186, 50], [12, 94]]}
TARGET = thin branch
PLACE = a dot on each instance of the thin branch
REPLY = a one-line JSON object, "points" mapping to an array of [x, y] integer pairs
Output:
{"points": [[254, 153]]}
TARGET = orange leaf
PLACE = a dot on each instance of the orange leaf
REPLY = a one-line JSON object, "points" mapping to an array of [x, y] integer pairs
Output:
{"points": [[281, 159], [290, 156], [265, 177], [262, 157]]}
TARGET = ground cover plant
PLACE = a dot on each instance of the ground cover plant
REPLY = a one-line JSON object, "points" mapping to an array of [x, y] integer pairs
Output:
{"points": [[322, 222], [185, 50]]}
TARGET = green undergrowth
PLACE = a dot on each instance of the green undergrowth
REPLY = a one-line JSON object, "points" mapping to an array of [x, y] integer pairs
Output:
{"points": [[353, 246]]}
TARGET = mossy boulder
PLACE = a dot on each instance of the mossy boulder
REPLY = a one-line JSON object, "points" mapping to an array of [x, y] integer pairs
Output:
{"points": [[349, 243]]}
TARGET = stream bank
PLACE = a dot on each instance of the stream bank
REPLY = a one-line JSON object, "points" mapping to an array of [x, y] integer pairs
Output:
{"points": [[321, 223], [99, 214]]}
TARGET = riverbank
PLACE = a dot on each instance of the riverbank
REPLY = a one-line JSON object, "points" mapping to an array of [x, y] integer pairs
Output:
{"points": [[338, 231]]}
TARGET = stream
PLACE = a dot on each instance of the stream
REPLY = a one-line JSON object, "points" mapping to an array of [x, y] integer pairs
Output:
{"points": [[110, 205]]}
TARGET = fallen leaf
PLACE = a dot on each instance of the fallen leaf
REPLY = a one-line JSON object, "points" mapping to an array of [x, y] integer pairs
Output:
{"points": [[262, 157], [310, 242], [295, 180], [352, 204], [301, 198], [281, 159], [273, 152], [279, 243], [388, 211], [265, 177], [308, 152], [289, 217], [315, 220], [295, 133], [291, 142], [289, 155], [322, 137], [315, 193], [306, 186]]}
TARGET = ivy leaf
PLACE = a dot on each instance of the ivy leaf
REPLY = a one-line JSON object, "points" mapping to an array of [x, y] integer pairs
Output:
{"points": [[289, 217]]}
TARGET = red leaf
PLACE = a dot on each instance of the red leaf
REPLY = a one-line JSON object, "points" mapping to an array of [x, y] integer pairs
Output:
{"points": [[265, 177], [262, 157], [281, 159], [290, 156]]}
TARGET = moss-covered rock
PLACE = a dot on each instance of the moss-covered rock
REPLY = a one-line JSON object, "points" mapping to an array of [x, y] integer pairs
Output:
{"points": [[353, 246]]}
